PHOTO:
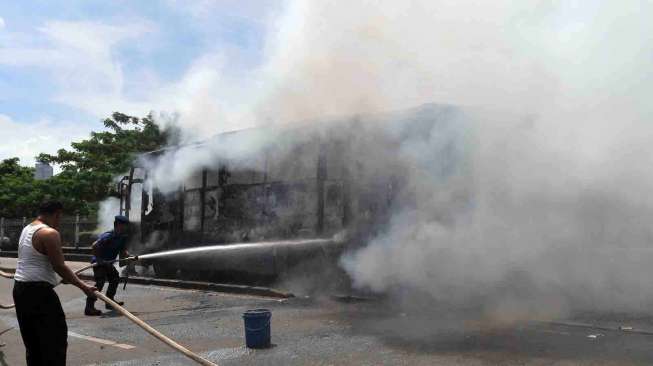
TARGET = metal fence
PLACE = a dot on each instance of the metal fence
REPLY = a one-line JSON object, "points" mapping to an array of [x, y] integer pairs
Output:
{"points": [[75, 231]]}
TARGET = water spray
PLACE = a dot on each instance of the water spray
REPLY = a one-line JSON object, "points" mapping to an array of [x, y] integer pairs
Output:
{"points": [[236, 246], [218, 248]]}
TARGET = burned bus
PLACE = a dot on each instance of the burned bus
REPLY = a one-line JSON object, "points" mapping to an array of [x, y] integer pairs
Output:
{"points": [[337, 180]]}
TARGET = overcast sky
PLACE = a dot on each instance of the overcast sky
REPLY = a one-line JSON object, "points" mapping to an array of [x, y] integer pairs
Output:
{"points": [[65, 65]]}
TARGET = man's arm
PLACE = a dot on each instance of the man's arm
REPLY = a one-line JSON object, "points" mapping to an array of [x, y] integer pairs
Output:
{"points": [[51, 243], [94, 248], [123, 255], [96, 252]]}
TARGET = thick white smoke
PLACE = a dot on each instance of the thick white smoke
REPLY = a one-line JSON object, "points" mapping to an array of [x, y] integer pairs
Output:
{"points": [[559, 124], [108, 209], [559, 172]]}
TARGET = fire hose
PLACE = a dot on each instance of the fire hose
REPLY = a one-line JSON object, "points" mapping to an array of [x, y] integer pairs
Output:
{"points": [[174, 345], [11, 276], [158, 335], [6, 275]]}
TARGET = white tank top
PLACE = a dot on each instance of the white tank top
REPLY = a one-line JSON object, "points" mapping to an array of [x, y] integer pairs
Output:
{"points": [[32, 265]]}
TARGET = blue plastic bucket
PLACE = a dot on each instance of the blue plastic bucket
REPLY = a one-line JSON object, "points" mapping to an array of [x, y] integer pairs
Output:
{"points": [[257, 328]]}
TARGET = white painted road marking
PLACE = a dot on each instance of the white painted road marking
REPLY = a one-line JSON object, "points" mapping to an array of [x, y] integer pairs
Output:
{"points": [[101, 341], [11, 321]]}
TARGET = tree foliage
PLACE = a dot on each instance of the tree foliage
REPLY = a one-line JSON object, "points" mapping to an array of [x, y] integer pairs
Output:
{"points": [[17, 188], [88, 169]]}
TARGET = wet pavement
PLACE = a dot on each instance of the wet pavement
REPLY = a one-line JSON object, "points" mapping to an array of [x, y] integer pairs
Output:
{"points": [[329, 331]]}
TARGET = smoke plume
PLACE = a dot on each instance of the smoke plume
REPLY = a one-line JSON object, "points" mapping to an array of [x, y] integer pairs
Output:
{"points": [[108, 209], [558, 173], [551, 200]]}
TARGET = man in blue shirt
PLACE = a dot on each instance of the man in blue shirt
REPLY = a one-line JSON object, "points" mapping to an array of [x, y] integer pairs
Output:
{"points": [[108, 246]]}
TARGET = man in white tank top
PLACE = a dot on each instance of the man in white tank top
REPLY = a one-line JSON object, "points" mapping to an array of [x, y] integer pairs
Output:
{"points": [[40, 317]]}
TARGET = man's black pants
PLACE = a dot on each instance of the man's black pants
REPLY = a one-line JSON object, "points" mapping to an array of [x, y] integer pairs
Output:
{"points": [[102, 273], [42, 323]]}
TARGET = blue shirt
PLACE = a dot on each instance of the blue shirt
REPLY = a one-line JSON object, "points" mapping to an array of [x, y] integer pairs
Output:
{"points": [[109, 245]]}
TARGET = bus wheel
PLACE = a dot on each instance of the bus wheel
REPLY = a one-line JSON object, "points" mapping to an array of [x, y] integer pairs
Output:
{"points": [[164, 271]]}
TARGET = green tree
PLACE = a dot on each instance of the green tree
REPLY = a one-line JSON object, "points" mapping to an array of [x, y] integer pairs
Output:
{"points": [[88, 169], [17, 188], [111, 151]]}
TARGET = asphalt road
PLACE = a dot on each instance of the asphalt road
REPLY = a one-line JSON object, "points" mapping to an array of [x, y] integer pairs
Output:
{"points": [[327, 331]]}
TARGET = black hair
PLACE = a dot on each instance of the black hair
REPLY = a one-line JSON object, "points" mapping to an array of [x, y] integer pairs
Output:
{"points": [[50, 207]]}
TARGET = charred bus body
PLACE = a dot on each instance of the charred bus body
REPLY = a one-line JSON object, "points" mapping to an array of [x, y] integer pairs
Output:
{"points": [[344, 180]]}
